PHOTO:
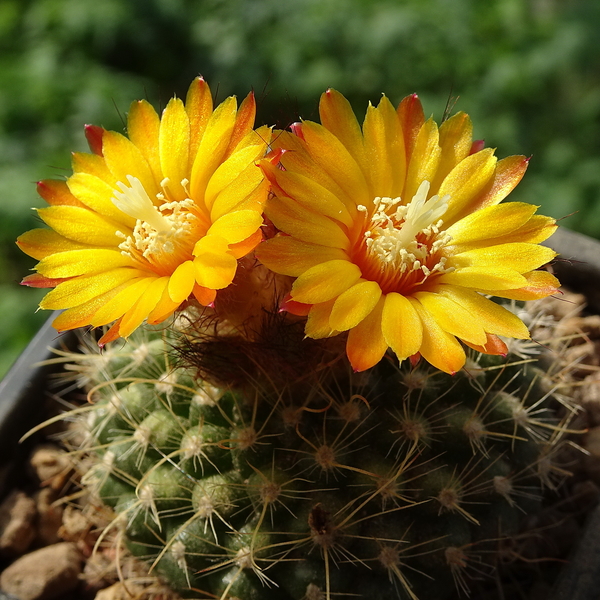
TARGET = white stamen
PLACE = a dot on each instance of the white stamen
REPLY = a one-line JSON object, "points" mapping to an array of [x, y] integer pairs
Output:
{"points": [[392, 238]]}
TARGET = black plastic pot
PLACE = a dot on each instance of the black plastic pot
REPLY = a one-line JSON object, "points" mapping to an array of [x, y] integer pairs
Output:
{"points": [[24, 389]]}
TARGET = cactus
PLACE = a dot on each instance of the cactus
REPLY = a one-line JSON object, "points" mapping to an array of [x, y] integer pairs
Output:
{"points": [[301, 426], [398, 482]]}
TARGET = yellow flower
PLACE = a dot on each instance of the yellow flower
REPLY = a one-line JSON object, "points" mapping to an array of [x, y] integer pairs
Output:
{"points": [[395, 233], [148, 222]]}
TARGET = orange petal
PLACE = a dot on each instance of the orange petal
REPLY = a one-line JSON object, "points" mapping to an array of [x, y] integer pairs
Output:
{"points": [[410, 112], [204, 295], [199, 107], [366, 345], [538, 284], [337, 115], [57, 193], [135, 316], [244, 121], [493, 345], [317, 323]]}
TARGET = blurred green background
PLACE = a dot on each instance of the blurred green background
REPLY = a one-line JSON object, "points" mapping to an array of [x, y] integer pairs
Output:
{"points": [[527, 71]]}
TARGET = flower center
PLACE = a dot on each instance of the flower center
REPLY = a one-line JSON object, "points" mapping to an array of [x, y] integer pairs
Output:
{"points": [[163, 236], [403, 243]]}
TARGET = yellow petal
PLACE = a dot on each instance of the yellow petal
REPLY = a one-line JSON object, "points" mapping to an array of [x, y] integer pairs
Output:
{"points": [[304, 224], [410, 113], [236, 226], [199, 107], [401, 326], [39, 243], [249, 190], [317, 322], [215, 266], [509, 171], [354, 305], [325, 281], [337, 116], [135, 316], [143, 125], [288, 256], [331, 155], [466, 181], [484, 278], [231, 169], [452, 317], [124, 158], [424, 160], [384, 149], [181, 282], [366, 345], [118, 305], [456, 137], [80, 315], [81, 225], [92, 164], [491, 316], [491, 222], [81, 289], [439, 348], [521, 257], [312, 196], [173, 146], [538, 284], [82, 262], [212, 146], [97, 195]]}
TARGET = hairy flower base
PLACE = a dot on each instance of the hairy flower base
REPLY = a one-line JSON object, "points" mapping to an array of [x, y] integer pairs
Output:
{"points": [[146, 223], [395, 233]]}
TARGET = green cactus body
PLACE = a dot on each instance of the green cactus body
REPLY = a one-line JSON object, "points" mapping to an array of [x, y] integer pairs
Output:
{"points": [[383, 485]]}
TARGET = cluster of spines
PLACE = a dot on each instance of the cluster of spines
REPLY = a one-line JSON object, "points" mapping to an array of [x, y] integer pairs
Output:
{"points": [[386, 485]]}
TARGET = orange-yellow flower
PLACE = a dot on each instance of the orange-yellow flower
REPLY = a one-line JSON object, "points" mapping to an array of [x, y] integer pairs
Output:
{"points": [[147, 222], [395, 233]]}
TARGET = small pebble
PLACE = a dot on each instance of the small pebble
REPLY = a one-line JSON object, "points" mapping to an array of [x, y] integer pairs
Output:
{"points": [[17, 516], [45, 574]]}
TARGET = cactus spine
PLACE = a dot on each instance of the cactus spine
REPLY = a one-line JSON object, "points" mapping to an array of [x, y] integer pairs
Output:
{"points": [[399, 482]]}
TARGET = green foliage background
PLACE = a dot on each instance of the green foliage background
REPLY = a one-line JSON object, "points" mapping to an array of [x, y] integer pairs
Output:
{"points": [[527, 71]]}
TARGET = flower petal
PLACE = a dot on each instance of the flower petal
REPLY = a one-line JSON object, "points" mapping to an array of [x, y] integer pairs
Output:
{"points": [[121, 302], [143, 126], [491, 222], [181, 282], [135, 316], [215, 266], [401, 326], [236, 226], [439, 348], [81, 289], [173, 147], [468, 179], [366, 345], [82, 262], [521, 257], [81, 225], [288, 256], [482, 278], [354, 305], [39, 243], [424, 160], [317, 322], [199, 107], [452, 317], [304, 224], [538, 284], [325, 281], [491, 316]]}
